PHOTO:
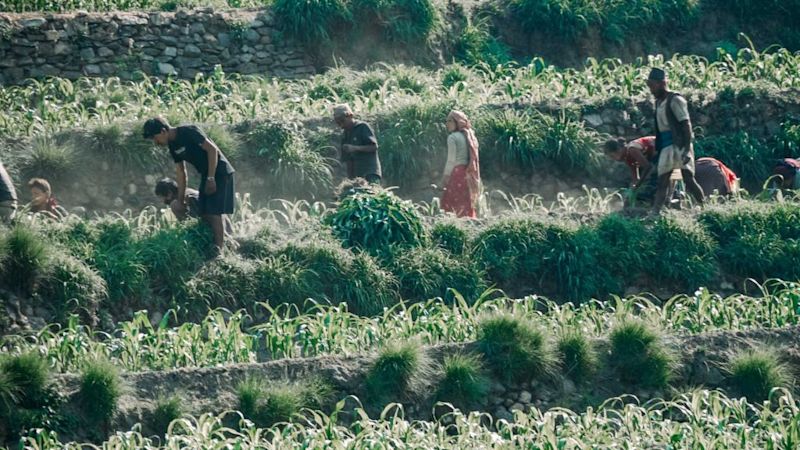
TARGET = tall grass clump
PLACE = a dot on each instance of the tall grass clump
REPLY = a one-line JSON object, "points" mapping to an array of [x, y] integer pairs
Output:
{"points": [[27, 400], [624, 249], [750, 157], [684, 253], [638, 356], [268, 403], [754, 373], [294, 169], [311, 21], [476, 45], [48, 158], [424, 273], [173, 253], [573, 19], [450, 237], [69, 286], [167, 410], [278, 280], [23, 257], [515, 253], [100, 390], [123, 145], [401, 20], [115, 257], [511, 251], [464, 383], [756, 241], [343, 276], [400, 371], [413, 141], [514, 348], [577, 354], [27, 376], [519, 142], [228, 282], [376, 222]]}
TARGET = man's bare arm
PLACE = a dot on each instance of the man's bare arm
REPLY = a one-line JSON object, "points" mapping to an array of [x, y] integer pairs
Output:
{"points": [[180, 176], [213, 156]]}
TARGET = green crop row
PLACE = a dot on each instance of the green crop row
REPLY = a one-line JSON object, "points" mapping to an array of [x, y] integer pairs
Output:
{"points": [[702, 418], [225, 338]]}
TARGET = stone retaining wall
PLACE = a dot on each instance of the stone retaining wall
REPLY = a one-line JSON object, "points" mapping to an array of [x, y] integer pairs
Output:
{"points": [[121, 44]]}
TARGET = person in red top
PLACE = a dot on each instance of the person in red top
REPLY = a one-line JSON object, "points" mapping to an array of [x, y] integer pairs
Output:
{"points": [[788, 168], [712, 175], [639, 155]]}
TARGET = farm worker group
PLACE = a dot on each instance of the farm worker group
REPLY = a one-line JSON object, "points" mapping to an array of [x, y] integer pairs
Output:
{"points": [[652, 160]]}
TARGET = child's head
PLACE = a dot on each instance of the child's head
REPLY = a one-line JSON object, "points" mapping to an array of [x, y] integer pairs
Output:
{"points": [[40, 191], [167, 190], [615, 149], [156, 129]]}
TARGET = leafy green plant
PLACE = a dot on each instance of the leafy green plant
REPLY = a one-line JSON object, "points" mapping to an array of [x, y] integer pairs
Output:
{"points": [[374, 222], [400, 370], [577, 354], [754, 373], [638, 356], [514, 348], [173, 253], [100, 390], [464, 383]]}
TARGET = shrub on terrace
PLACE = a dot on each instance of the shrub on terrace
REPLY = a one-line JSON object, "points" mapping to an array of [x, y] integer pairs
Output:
{"points": [[428, 273], [267, 403], [464, 383], [638, 356], [400, 370], [754, 373], [514, 348]]}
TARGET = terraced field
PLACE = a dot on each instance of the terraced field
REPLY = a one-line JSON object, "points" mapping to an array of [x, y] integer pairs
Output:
{"points": [[558, 319]]}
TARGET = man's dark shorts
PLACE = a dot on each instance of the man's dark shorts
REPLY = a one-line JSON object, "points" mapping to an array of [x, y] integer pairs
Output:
{"points": [[222, 201]]}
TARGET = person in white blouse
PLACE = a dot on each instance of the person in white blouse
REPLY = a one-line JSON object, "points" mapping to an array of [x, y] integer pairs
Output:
{"points": [[461, 177]]}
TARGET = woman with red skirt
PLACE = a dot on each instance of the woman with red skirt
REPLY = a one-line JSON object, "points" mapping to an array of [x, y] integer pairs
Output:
{"points": [[461, 177]]}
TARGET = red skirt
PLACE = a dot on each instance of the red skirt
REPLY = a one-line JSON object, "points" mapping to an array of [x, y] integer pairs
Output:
{"points": [[456, 198]]}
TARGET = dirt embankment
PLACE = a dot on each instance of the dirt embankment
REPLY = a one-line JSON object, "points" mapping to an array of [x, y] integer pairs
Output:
{"points": [[701, 363]]}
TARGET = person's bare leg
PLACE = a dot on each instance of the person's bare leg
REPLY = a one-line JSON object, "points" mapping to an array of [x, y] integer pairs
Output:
{"points": [[661, 192], [693, 187], [215, 222]]}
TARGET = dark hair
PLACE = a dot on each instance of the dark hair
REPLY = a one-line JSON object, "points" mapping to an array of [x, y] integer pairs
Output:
{"points": [[166, 186], [614, 145], [41, 184], [154, 126]]}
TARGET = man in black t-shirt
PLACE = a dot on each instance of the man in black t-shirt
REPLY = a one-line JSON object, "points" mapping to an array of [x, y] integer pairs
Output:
{"points": [[187, 143], [359, 151], [8, 196]]}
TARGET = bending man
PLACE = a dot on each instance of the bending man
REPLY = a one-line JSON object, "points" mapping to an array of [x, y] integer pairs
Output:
{"points": [[187, 143]]}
